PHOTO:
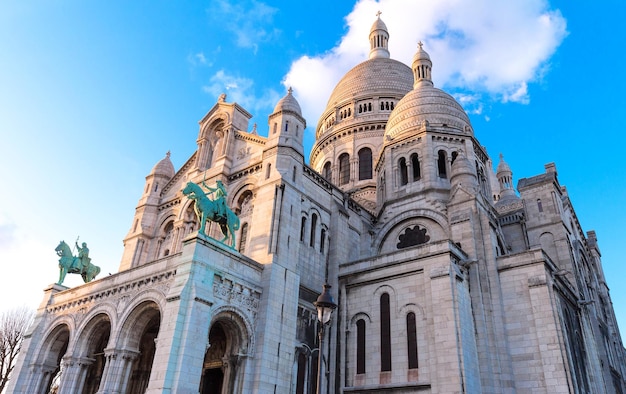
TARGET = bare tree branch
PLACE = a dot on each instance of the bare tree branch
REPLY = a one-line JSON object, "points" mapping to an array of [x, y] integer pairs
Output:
{"points": [[13, 325]]}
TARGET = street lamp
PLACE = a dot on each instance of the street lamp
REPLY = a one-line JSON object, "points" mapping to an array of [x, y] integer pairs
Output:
{"points": [[325, 306]]}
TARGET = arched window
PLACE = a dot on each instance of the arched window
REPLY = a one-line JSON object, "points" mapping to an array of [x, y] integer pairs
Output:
{"points": [[243, 237], [322, 240], [365, 164], [302, 229], [327, 172], [411, 338], [441, 164], [313, 230], [286, 125], [404, 175], [385, 333], [415, 163], [539, 205], [344, 168], [360, 346]]}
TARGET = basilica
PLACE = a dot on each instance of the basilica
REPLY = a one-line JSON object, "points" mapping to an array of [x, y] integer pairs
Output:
{"points": [[447, 276]]}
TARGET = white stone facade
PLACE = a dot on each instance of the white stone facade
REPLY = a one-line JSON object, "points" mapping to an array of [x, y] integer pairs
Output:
{"points": [[446, 279]]}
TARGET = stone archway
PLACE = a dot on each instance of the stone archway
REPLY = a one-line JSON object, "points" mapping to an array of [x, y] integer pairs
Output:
{"points": [[85, 368], [224, 360], [212, 380], [48, 372], [140, 375]]}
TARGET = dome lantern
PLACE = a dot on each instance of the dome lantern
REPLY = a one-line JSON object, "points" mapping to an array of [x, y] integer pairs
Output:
{"points": [[422, 67], [379, 39]]}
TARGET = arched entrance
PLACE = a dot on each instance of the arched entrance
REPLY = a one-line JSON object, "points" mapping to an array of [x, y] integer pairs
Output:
{"points": [[224, 360], [95, 338], [212, 379], [49, 373], [140, 376]]}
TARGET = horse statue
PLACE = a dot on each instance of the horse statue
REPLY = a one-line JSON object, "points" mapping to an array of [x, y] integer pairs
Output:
{"points": [[207, 209], [68, 263]]}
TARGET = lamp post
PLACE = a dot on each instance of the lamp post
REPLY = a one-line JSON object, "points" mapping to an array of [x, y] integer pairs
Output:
{"points": [[325, 306]]}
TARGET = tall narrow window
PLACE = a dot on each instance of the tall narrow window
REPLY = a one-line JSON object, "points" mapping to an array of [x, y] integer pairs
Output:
{"points": [[539, 205], [243, 237], [441, 164], [415, 163], [365, 164], [287, 125], [404, 175], [313, 227], [302, 229], [268, 172], [344, 168], [322, 240], [360, 346], [327, 172], [385, 333], [411, 338], [302, 372]]}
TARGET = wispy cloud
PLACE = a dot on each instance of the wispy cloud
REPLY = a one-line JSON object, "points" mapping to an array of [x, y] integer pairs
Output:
{"points": [[198, 59], [241, 90], [482, 49], [249, 21]]}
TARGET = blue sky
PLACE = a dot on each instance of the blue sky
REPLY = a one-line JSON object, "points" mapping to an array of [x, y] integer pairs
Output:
{"points": [[93, 94]]}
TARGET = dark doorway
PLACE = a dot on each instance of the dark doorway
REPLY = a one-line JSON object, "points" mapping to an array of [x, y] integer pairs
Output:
{"points": [[212, 381]]}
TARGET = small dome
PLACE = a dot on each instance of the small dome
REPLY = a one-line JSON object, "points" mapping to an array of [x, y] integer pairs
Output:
{"points": [[421, 54], [288, 103], [503, 166], [164, 167], [462, 165], [426, 105], [378, 24]]}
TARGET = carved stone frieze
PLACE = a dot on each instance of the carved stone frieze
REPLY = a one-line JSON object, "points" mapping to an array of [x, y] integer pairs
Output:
{"points": [[119, 294], [236, 293]]}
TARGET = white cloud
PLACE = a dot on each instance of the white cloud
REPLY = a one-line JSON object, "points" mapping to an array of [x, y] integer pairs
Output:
{"points": [[247, 21], [487, 47], [241, 90]]}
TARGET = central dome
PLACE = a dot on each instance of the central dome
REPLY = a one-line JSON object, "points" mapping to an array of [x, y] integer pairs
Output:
{"points": [[374, 76]]}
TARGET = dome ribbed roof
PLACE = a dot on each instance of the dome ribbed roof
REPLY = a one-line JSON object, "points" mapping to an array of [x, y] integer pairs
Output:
{"points": [[426, 104], [378, 76], [288, 103], [164, 167]]}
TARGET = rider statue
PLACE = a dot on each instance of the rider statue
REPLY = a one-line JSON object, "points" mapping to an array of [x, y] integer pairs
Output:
{"points": [[219, 198], [83, 254]]}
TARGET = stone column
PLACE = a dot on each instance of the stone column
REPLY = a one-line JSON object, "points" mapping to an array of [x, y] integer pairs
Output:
{"points": [[74, 374], [117, 369], [40, 378]]}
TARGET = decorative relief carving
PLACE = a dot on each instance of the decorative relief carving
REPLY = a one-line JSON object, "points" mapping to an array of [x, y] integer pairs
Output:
{"points": [[243, 152], [120, 293], [237, 294]]}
